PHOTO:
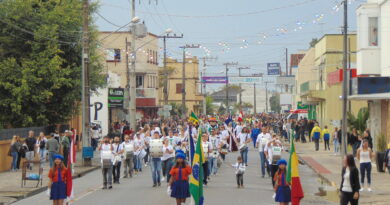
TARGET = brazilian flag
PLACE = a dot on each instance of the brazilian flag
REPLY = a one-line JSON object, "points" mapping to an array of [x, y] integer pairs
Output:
{"points": [[193, 118], [196, 178]]}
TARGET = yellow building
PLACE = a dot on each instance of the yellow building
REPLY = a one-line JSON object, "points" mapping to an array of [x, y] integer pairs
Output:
{"points": [[193, 97], [322, 68]]}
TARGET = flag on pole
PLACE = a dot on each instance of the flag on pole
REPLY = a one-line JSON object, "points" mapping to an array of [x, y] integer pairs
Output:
{"points": [[196, 178], [229, 120], [191, 143], [293, 176], [69, 180], [73, 147], [193, 118]]}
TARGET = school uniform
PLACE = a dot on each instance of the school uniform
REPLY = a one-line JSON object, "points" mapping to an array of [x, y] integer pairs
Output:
{"points": [[58, 187], [283, 191], [180, 186], [116, 169], [106, 165], [128, 161], [240, 170]]}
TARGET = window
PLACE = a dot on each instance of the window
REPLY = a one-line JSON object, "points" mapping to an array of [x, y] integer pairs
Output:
{"points": [[113, 55], [139, 81], [178, 88], [373, 31]]}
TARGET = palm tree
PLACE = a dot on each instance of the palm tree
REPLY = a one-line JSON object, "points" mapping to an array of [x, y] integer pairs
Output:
{"points": [[360, 121]]}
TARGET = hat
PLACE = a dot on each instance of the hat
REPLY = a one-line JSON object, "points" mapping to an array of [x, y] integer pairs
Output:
{"points": [[58, 156], [180, 154], [282, 161]]}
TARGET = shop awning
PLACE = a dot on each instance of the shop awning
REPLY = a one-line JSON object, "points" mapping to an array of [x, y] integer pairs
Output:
{"points": [[376, 96]]}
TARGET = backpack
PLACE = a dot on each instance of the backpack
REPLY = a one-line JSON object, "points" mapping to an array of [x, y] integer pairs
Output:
{"points": [[42, 144]]}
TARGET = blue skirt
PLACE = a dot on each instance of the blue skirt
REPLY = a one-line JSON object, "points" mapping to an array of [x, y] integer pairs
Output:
{"points": [[58, 191], [180, 189], [283, 194]]}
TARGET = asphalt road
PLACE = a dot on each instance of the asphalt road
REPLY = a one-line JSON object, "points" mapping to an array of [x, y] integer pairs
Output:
{"points": [[221, 189]]}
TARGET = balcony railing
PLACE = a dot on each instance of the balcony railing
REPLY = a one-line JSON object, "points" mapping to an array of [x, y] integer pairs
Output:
{"points": [[309, 86], [146, 93]]}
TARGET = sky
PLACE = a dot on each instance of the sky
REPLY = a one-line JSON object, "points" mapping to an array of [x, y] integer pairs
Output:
{"points": [[250, 32]]}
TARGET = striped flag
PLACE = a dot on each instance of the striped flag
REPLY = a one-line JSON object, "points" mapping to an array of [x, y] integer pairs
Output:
{"points": [[293, 177], [193, 118]]}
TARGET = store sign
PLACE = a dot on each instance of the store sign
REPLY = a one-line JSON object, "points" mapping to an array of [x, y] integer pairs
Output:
{"points": [[214, 80], [285, 80], [301, 106], [273, 68], [337, 76], [249, 80], [115, 97]]}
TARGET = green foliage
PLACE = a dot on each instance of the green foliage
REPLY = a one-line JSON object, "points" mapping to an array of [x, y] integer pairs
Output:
{"points": [[274, 101], [360, 121], [209, 105], [221, 110], [40, 61], [381, 143], [177, 109]]}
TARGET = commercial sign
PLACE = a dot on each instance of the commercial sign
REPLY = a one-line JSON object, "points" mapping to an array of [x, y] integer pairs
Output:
{"points": [[249, 80], [337, 76], [301, 106], [115, 97], [285, 80], [214, 80], [273, 68]]}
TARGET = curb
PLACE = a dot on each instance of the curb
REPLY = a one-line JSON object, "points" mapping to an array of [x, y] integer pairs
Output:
{"points": [[321, 176], [44, 188]]}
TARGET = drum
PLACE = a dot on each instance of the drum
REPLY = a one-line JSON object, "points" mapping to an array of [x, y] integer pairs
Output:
{"points": [[276, 154], [106, 155], [156, 148], [129, 147], [205, 149], [215, 154], [142, 154]]}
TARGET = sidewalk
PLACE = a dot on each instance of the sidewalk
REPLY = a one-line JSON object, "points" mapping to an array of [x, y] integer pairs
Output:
{"points": [[328, 167], [10, 186]]}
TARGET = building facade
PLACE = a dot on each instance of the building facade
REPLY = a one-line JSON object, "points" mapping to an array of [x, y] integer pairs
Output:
{"points": [[115, 52], [193, 96], [248, 96]]}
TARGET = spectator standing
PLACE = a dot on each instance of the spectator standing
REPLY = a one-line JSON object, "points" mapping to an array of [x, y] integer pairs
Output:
{"points": [[53, 148], [30, 154]]}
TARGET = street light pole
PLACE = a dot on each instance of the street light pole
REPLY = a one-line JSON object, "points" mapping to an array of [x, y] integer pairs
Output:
{"points": [[254, 98], [227, 89], [345, 82], [239, 74], [132, 91], [183, 80]]}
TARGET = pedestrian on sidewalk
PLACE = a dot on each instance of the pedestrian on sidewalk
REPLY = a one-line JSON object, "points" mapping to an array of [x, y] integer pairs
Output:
{"points": [[261, 141], [58, 178], [106, 150], [240, 170], [336, 141], [14, 150], [65, 143], [53, 148], [364, 155], [30, 154], [326, 137], [178, 183], [41, 147], [117, 163], [349, 186], [282, 187], [316, 134], [273, 152], [354, 141]]}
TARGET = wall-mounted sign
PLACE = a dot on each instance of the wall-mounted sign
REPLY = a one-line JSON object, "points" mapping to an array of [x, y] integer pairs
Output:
{"points": [[115, 97], [273, 68]]}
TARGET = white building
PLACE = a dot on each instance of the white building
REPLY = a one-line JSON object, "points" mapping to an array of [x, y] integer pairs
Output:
{"points": [[247, 96]]}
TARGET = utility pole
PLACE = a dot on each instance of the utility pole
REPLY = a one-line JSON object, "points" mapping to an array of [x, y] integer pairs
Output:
{"points": [[183, 80], [227, 89], [266, 96], [345, 82], [203, 83], [165, 64], [85, 81], [254, 98], [239, 74]]}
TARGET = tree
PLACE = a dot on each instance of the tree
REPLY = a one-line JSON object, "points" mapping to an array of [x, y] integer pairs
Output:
{"points": [[221, 110], [209, 105], [40, 61], [274, 101], [360, 121]]}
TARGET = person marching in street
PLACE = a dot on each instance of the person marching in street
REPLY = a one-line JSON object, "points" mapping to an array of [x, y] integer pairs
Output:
{"points": [[364, 155], [128, 161], [139, 147], [14, 150], [57, 180], [261, 141], [178, 183], [254, 133], [326, 137], [106, 150], [243, 140], [168, 158], [155, 162], [273, 152], [282, 187], [223, 145], [213, 158], [240, 170], [316, 134], [118, 156], [349, 186], [207, 149]]}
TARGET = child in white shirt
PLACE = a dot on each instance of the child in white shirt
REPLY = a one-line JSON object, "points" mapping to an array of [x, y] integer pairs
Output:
{"points": [[240, 170]]}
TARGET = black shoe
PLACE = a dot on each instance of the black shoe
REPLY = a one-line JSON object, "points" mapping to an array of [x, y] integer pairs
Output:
{"points": [[159, 184], [110, 187], [154, 185]]}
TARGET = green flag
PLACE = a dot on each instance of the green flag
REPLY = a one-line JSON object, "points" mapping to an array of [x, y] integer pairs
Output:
{"points": [[196, 178]]}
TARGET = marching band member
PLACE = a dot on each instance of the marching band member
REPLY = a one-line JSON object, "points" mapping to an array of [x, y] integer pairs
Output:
{"points": [[179, 181], [128, 161], [243, 139], [118, 155], [207, 149], [106, 149], [156, 152], [167, 158], [213, 158]]}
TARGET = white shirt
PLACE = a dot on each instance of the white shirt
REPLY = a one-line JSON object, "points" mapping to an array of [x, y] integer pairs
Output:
{"points": [[225, 134], [167, 155], [268, 149], [117, 148], [139, 143], [238, 129], [214, 140], [262, 140], [243, 137], [127, 143], [240, 168], [347, 183], [105, 149]]}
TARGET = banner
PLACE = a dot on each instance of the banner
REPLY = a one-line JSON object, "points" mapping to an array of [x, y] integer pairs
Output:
{"points": [[249, 80], [214, 80], [273, 68], [115, 97]]}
